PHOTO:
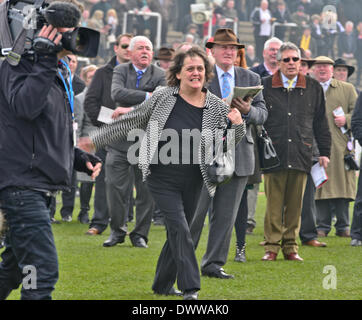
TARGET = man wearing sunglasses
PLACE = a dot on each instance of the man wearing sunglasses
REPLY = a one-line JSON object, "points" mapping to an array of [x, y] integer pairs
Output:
{"points": [[296, 113], [98, 95]]}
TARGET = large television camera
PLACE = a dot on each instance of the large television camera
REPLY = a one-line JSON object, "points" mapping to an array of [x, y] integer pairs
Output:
{"points": [[29, 16]]}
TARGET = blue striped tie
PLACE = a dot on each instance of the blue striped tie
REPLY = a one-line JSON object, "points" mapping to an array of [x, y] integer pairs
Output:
{"points": [[139, 77], [226, 89]]}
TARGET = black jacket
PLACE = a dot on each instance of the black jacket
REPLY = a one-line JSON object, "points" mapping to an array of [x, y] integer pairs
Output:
{"points": [[99, 92], [36, 132], [260, 70], [78, 85], [294, 118], [347, 43], [356, 122]]}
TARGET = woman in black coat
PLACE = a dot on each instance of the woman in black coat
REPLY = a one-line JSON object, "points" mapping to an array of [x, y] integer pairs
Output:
{"points": [[190, 115]]}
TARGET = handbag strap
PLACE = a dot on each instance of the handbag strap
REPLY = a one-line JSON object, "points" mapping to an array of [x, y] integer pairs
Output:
{"points": [[261, 131], [224, 135]]}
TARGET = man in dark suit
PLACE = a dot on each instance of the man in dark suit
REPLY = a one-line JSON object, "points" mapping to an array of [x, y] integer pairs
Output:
{"points": [[228, 196], [132, 83], [98, 95], [347, 42], [270, 64]]}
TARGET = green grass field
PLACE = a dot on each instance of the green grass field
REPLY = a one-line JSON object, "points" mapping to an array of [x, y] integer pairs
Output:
{"points": [[89, 271]]}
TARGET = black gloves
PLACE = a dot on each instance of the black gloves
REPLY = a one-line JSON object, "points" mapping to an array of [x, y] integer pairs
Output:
{"points": [[45, 46], [81, 158]]}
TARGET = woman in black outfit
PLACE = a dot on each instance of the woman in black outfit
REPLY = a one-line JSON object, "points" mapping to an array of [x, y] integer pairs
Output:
{"points": [[175, 185]]}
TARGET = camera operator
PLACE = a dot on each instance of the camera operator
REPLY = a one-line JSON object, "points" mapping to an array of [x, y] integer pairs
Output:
{"points": [[38, 155]]}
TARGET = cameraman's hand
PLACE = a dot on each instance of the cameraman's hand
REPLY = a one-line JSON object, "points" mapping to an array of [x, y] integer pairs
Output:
{"points": [[51, 33], [95, 169]]}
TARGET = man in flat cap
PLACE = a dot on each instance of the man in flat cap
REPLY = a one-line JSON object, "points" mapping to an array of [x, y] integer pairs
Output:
{"points": [[334, 196], [226, 202]]}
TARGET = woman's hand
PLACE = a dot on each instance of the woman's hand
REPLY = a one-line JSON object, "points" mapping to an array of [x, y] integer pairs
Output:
{"points": [[86, 144], [235, 116]]}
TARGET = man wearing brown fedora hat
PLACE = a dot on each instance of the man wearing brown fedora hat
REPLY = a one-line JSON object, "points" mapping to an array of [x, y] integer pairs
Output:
{"points": [[226, 201], [164, 57]]}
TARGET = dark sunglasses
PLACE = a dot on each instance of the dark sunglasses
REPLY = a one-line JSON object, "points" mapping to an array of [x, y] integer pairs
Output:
{"points": [[295, 59], [124, 46]]}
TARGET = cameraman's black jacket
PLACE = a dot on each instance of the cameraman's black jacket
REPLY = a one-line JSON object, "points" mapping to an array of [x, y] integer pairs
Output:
{"points": [[36, 132], [356, 122]]}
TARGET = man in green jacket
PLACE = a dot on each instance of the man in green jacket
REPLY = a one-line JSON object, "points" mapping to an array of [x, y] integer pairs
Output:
{"points": [[296, 109]]}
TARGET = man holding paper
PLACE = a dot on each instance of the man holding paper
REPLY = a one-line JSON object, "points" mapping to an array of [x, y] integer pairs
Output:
{"points": [[296, 114], [132, 83], [226, 201], [334, 196]]}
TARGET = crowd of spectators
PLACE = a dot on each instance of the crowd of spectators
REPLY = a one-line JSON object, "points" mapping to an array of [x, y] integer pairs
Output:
{"points": [[321, 27]]}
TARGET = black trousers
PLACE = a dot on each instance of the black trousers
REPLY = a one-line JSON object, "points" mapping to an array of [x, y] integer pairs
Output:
{"points": [[241, 222], [68, 198], [100, 217], [308, 226], [176, 197], [119, 185], [85, 194], [356, 228], [30, 247]]}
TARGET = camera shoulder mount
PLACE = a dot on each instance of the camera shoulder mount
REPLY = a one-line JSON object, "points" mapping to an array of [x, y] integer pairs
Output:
{"points": [[12, 48]]}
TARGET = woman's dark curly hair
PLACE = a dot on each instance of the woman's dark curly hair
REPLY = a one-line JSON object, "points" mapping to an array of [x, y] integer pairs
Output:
{"points": [[178, 62]]}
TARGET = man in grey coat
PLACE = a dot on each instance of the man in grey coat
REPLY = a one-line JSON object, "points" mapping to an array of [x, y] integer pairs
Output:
{"points": [[227, 198], [132, 83]]}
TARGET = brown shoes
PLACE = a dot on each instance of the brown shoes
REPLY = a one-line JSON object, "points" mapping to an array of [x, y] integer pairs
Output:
{"points": [[314, 243], [92, 232], [269, 256], [293, 256], [344, 234], [272, 256]]}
